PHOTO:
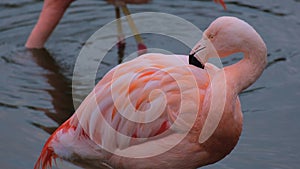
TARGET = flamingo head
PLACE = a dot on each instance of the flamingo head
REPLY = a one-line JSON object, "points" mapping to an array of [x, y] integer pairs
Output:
{"points": [[225, 36]]}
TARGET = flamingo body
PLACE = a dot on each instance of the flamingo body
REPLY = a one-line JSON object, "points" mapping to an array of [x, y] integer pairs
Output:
{"points": [[72, 141], [132, 112]]}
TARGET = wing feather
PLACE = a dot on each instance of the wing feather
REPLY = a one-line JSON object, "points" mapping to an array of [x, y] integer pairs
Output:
{"points": [[142, 87]]}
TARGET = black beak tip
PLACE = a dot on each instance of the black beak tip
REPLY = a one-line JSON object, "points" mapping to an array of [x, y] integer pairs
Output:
{"points": [[195, 62]]}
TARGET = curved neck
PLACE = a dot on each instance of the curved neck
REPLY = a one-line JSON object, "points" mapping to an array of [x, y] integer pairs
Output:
{"points": [[241, 75]]}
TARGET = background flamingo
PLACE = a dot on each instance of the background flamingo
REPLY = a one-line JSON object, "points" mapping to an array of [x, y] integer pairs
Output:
{"points": [[80, 143], [53, 11]]}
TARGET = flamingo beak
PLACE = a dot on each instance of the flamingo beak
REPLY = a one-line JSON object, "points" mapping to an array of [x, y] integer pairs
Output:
{"points": [[221, 2], [194, 61]]}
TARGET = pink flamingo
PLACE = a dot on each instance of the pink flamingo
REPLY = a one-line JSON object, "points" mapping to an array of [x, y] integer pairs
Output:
{"points": [[86, 139], [53, 11]]}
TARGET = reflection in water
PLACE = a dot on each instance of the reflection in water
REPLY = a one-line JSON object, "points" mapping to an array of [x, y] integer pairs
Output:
{"points": [[275, 61], [251, 90], [61, 93], [121, 49], [256, 7]]}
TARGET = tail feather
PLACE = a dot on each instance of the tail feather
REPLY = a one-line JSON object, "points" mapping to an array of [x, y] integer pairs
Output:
{"points": [[46, 157]]}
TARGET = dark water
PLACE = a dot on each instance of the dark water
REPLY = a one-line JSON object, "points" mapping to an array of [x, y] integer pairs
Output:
{"points": [[35, 92]]}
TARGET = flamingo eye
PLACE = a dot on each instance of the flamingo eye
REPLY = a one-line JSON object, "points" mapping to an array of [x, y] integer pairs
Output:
{"points": [[211, 36]]}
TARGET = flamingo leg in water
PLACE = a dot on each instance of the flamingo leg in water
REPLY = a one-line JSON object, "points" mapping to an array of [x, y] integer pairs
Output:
{"points": [[221, 2], [121, 40], [50, 16], [141, 46]]}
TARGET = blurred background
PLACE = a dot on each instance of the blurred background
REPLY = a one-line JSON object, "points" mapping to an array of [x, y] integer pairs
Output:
{"points": [[35, 85]]}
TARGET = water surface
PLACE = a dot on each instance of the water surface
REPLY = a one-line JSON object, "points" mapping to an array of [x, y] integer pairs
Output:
{"points": [[35, 92]]}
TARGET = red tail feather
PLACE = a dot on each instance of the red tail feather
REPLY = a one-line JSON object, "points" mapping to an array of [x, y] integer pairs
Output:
{"points": [[48, 154], [46, 157]]}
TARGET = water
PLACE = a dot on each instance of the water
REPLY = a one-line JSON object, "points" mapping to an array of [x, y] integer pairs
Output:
{"points": [[35, 92]]}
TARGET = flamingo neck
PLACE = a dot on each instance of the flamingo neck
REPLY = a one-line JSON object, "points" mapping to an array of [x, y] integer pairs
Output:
{"points": [[241, 75]]}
